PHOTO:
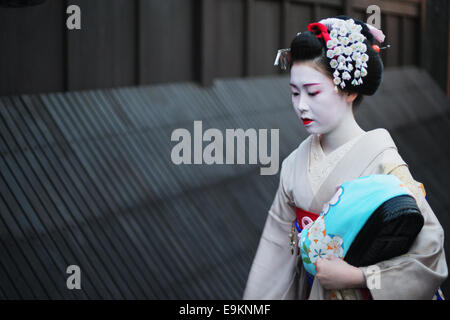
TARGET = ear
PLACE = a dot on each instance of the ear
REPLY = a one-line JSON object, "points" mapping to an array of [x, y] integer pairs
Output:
{"points": [[351, 96]]}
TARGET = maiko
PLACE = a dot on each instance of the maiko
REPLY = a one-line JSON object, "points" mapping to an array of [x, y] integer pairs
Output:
{"points": [[213, 153]]}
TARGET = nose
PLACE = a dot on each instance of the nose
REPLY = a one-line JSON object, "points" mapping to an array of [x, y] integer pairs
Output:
{"points": [[302, 105]]}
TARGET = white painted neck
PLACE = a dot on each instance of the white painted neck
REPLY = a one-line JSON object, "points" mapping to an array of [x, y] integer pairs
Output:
{"points": [[346, 130]]}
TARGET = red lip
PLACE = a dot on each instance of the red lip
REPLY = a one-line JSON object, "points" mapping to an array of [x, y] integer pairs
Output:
{"points": [[306, 121]]}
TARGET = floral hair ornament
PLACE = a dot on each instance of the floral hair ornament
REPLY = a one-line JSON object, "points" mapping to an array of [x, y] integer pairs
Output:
{"points": [[346, 51], [345, 39], [377, 33]]}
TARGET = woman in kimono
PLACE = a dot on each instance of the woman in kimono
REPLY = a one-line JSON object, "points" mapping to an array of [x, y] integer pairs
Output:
{"points": [[332, 65]]}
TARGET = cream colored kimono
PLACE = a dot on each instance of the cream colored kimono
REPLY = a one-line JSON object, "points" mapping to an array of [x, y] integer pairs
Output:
{"points": [[308, 179]]}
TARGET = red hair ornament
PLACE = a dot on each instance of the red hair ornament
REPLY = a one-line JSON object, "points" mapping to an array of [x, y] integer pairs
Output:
{"points": [[320, 30]]}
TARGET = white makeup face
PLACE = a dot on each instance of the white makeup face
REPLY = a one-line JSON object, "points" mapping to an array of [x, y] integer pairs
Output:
{"points": [[315, 100]]}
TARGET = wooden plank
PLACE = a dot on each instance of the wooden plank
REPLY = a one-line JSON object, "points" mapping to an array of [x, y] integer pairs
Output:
{"points": [[31, 42], [207, 41], [126, 42], [327, 11], [317, 14], [392, 32], [264, 39], [329, 3], [103, 53], [423, 28], [408, 8], [435, 34], [284, 14], [248, 32], [299, 16], [167, 41], [448, 51], [283, 37], [348, 8], [410, 42], [412, 1], [228, 58], [359, 14]]}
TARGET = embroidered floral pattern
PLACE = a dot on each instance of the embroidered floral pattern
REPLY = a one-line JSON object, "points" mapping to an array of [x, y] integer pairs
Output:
{"points": [[317, 230], [334, 246], [322, 245], [317, 250]]}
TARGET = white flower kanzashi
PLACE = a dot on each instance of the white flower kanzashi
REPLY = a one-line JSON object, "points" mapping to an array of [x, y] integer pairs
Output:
{"points": [[347, 51]]}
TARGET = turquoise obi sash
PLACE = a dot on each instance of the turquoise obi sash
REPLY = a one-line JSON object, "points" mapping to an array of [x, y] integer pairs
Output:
{"points": [[342, 218]]}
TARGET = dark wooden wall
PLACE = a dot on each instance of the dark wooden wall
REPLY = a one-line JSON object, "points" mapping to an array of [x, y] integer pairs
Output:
{"points": [[136, 42], [436, 43]]}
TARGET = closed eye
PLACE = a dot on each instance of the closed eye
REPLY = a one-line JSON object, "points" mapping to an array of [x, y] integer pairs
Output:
{"points": [[312, 94], [295, 94]]}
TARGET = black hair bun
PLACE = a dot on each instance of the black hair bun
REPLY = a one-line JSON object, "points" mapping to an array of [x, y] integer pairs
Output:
{"points": [[306, 46]]}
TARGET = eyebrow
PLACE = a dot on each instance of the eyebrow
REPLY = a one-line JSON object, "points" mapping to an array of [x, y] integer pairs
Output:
{"points": [[305, 85]]}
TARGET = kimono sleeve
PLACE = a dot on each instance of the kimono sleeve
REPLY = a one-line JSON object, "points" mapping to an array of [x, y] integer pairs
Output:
{"points": [[273, 270], [418, 273]]}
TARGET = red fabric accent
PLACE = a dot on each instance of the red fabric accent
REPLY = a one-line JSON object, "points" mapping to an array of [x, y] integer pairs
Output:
{"points": [[300, 213], [320, 30]]}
